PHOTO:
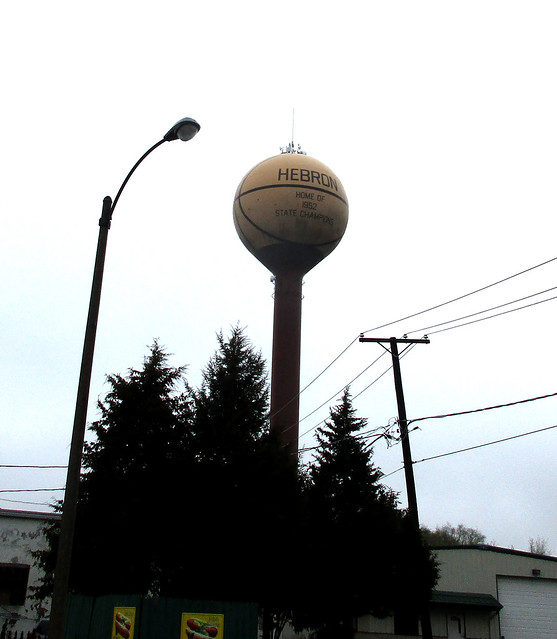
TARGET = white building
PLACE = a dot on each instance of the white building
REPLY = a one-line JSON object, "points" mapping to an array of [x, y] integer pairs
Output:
{"points": [[19, 537], [486, 592]]}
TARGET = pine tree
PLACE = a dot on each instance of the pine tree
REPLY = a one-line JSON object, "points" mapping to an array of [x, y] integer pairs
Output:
{"points": [[231, 407], [186, 493], [132, 469], [343, 477], [244, 483], [45, 560], [355, 528]]}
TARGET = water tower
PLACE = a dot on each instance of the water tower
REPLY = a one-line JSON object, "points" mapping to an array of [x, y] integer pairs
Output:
{"points": [[290, 211]]}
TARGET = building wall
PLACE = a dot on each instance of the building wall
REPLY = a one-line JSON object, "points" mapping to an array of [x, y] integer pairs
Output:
{"points": [[467, 569], [19, 537], [367, 624], [475, 624], [476, 570]]}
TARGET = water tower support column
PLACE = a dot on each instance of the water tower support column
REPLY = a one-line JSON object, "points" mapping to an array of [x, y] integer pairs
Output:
{"points": [[285, 373]]}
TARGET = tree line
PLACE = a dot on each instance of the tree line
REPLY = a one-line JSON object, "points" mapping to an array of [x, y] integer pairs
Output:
{"points": [[186, 492]]}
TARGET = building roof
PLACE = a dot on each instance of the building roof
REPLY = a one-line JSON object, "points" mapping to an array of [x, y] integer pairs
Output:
{"points": [[486, 547], [28, 514], [465, 599]]}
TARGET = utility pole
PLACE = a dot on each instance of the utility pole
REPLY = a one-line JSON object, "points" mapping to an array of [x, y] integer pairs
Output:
{"points": [[405, 440]]}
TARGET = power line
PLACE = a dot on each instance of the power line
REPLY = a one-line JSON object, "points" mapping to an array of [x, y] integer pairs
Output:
{"points": [[450, 328], [446, 329], [31, 466], [403, 354], [310, 448], [497, 441], [372, 432], [338, 393], [29, 490], [520, 308], [487, 310], [309, 384], [433, 333], [478, 410], [461, 297], [29, 503], [427, 310], [460, 450], [328, 366]]}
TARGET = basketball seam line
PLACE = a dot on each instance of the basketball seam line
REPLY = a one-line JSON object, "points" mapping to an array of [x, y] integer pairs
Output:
{"points": [[278, 186], [280, 239]]}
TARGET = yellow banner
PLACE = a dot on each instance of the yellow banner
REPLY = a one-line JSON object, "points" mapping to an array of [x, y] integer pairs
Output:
{"points": [[198, 625], [123, 623]]}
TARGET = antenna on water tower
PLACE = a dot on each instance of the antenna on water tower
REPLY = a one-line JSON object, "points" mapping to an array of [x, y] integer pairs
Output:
{"points": [[292, 148]]}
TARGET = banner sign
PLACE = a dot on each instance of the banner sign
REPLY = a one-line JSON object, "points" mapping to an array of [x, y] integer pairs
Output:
{"points": [[198, 625], [123, 623]]}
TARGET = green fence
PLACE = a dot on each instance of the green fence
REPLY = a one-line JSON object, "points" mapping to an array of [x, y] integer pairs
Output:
{"points": [[156, 618]]}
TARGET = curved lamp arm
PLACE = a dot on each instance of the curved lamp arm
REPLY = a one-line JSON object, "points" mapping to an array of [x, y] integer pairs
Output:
{"points": [[128, 176], [185, 129]]}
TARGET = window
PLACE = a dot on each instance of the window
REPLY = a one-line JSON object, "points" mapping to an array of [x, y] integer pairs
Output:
{"points": [[13, 584]]}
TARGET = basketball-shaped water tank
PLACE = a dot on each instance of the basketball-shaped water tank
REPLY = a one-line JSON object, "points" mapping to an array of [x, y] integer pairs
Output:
{"points": [[290, 211]]}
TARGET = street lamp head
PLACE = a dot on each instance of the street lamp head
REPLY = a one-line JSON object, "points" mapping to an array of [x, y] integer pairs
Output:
{"points": [[185, 129]]}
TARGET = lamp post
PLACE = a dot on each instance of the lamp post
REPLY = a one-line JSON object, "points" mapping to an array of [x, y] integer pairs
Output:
{"points": [[185, 129]]}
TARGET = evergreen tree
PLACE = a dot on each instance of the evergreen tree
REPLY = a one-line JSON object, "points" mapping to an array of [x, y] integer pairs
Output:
{"points": [[231, 407], [243, 483], [45, 560], [132, 469], [355, 534], [185, 493]]}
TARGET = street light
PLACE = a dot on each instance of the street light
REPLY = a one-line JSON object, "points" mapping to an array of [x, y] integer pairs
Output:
{"points": [[185, 129]]}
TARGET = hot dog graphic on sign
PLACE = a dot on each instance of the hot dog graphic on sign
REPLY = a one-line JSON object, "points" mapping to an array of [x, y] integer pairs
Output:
{"points": [[123, 623], [196, 625]]}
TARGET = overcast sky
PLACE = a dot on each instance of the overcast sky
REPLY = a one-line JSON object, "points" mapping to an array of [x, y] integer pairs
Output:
{"points": [[438, 118]]}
